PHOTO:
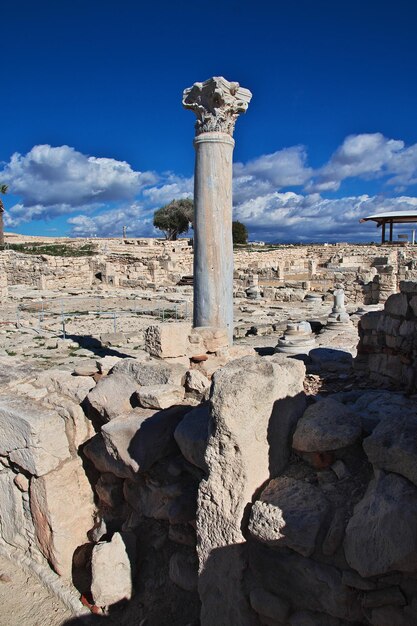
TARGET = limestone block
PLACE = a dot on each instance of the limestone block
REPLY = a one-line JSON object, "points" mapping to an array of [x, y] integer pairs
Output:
{"points": [[392, 446], [160, 396], [196, 383], [192, 434], [306, 584], [289, 513], [12, 518], [111, 572], [143, 436], [251, 397], [210, 338], [183, 570], [87, 368], [111, 396], [32, 436], [106, 363], [380, 536], [156, 501], [113, 339], [167, 340], [74, 387], [77, 426], [95, 450], [397, 304], [62, 508], [151, 372], [326, 425]]}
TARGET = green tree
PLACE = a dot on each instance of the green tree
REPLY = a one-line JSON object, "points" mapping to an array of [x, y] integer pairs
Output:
{"points": [[3, 190], [174, 218], [239, 232]]}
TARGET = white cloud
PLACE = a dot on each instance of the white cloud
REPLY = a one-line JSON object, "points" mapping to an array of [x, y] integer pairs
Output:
{"points": [[270, 172], [60, 179], [138, 221], [367, 156]]}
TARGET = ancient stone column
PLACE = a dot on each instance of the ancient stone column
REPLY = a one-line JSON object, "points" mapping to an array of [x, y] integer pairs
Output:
{"points": [[217, 104]]}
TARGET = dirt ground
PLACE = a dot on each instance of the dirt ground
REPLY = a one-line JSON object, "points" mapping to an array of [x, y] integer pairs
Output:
{"points": [[24, 601]]}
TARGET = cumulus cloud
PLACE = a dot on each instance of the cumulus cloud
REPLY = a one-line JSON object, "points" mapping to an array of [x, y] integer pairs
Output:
{"points": [[271, 172], [367, 156], [286, 217], [137, 220]]}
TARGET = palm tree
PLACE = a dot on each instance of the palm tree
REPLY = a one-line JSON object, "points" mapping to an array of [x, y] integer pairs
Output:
{"points": [[3, 190]]}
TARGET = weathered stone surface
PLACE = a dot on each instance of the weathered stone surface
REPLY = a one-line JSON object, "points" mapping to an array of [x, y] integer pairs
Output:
{"points": [[12, 518], [32, 436], [74, 387], [288, 513], [111, 572], [183, 570], [269, 605], [167, 340], [151, 372], [196, 383], [62, 508], [392, 446], [111, 396], [397, 304], [160, 396], [86, 369], [174, 502], [326, 425], [381, 537], [106, 363], [144, 436], [95, 450], [113, 339], [210, 339], [252, 400], [192, 434], [304, 583], [77, 426]]}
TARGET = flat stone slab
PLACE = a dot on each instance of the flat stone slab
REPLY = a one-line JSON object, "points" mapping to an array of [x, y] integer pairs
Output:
{"points": [[326, 425], [289, 514]]}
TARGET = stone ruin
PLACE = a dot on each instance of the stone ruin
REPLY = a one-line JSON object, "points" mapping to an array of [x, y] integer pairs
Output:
{"points": [[202, 483]]}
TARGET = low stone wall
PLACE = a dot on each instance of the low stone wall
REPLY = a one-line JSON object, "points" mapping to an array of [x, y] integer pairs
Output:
{"points": [[387, 350], [369, 274]]}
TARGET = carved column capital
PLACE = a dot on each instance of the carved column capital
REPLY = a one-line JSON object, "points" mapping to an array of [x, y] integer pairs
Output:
{"points": [[217, 104]]}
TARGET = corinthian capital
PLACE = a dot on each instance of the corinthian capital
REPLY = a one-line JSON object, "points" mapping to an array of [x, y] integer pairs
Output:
{"points": [[217, 104]]}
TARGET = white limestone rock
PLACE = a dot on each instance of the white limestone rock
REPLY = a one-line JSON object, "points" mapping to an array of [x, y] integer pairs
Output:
{"points": [[111, 396], [326, 425], [74, 387], [289, 513], [192, 434], [151, 372], [392, 446], [167, 340], [253, 402], [381, 535], [32, 436], [12, 517], [196, 383], [160, 396], [62, 508], [111, 572]]}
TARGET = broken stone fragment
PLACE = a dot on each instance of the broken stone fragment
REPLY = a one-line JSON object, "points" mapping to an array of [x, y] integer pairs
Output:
{"points": [[167, 340], [151, 372], [111, 572], [111, 396], [326, 425], [196, 383], [160, 396], [289, 513]]}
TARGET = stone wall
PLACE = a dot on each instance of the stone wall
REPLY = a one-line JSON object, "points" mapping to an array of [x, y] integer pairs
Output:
{"points": [[369, 274], [387, 350]]}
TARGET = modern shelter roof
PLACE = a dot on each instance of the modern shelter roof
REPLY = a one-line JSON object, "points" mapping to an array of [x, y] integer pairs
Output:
{"points": [[397, 217]]}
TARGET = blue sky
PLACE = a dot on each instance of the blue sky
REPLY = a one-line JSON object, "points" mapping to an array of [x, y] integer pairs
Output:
{"points": [[94, 136]]}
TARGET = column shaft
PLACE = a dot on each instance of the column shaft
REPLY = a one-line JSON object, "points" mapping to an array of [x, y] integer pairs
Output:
{"points": [[213, 246]]}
